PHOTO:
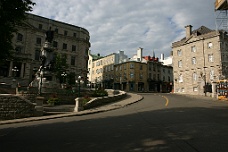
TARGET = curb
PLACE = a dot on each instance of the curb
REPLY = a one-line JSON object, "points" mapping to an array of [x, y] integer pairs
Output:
{"points": [[113, 106]]}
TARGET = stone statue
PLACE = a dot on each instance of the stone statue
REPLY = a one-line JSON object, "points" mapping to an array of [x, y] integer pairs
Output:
{"points": [[47, 51], [49, 35]]}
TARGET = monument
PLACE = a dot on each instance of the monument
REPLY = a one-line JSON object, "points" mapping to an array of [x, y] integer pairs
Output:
{"points": [[45, 78]]}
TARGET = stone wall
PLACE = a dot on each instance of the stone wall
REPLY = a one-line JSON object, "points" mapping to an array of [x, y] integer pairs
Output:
{"points": [[112, 97], [14, 107]]}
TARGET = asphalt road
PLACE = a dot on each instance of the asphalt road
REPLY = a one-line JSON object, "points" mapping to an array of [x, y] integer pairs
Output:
{"points": [[159, 122]]}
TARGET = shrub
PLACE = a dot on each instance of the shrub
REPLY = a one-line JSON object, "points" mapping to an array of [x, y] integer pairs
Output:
{"points": [[85, 99], [99, 93], [53, 101]]}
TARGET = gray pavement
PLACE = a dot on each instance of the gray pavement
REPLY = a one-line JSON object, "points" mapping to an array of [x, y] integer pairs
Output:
{"points": [[130, 99]]}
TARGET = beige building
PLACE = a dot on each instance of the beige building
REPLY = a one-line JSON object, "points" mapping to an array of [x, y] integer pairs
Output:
{"points": [[69, 40], [101, 69], [199, 59]]}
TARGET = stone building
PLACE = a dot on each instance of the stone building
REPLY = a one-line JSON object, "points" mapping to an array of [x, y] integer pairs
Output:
{"points": [[69, 40], [199, 59], [101, 69], [130, 76]]}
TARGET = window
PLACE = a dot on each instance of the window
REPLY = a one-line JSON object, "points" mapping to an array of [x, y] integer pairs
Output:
{"points": [[18, 49], [154, 77], [72, 62], [209, 45], [131, 75], [75, 35], [193, 48], [158, 76], [19, 37], [131, 66], [181, 78], [179, 52], [38, 41], [195, 88], [180, 64], [56, 30], [65, 33], [210, 58], [140, 76], [194, 76], [193, 60], [212, 74], [141, 67], [73, 47], [64, 46], [37, 55], [40, 26], [55, 44], [163, 78], [169, 78]]}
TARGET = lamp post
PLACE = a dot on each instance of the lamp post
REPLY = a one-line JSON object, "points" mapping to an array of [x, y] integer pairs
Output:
{"points": [[14, 70], [64, 74], [79, 81]]}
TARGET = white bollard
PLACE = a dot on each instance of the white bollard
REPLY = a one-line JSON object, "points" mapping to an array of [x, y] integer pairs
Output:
{"points": [[77, 105]]}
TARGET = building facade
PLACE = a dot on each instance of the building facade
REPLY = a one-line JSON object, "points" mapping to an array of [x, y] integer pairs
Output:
{"points": [[69, 40], [130, 76], [101, 69], [139, 73], [199, 59]]}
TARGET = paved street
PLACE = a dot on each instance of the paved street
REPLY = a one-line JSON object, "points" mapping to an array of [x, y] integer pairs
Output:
{"points": [[159, 122]]}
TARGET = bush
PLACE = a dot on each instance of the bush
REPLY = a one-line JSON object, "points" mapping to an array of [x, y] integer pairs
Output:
{"points": [[99, 93], [53, 101], [85, 100]]}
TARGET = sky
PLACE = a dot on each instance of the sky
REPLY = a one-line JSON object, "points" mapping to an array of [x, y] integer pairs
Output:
{"points": [[126, 25]]}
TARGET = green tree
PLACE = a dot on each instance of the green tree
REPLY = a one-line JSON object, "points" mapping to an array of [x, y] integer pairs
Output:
{"points": [[12, 12], [60, 65]]}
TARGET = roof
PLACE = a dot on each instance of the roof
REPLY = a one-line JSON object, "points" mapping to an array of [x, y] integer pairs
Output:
{"points": [[200, 31]]}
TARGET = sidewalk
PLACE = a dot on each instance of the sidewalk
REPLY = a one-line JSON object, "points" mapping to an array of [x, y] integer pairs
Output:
{"points": [[130, 99]]}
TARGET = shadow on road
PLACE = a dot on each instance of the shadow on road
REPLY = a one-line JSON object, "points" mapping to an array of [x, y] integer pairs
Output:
{"points": [[169, 129]]}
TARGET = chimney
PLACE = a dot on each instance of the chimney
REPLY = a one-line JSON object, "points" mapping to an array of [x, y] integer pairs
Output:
{"points": [[162, 56], [188, 29], [139, 54]]}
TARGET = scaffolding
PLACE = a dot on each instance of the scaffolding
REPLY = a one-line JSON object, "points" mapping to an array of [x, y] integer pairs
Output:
{"points": [[221, 12]]}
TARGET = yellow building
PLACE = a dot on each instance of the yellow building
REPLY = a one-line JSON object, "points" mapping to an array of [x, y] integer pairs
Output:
{"points": [[130, 76]]}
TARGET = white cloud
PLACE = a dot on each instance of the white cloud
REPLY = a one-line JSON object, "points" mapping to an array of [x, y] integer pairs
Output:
{"points": [[126, 24]]}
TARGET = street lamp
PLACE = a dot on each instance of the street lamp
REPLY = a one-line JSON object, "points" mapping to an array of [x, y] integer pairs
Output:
{"points": [[64, 74], [79, 81], [15, 70]]}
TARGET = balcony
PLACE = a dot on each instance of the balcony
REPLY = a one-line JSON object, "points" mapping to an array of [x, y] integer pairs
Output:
{"points": [[221, 5]]}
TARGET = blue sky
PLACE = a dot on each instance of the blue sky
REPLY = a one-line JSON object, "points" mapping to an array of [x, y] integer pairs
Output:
{"points": [[129, 24]]}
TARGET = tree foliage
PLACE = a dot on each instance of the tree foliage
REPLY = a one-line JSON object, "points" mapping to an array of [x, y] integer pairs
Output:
{"points": [[60, 65], [12, 12]]}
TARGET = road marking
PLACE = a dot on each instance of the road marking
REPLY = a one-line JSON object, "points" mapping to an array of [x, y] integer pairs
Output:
{"points": [[167, 100]]}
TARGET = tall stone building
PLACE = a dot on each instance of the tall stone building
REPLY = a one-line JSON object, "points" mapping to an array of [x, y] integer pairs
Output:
{"points": [[199, 59], [69, 40]]}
